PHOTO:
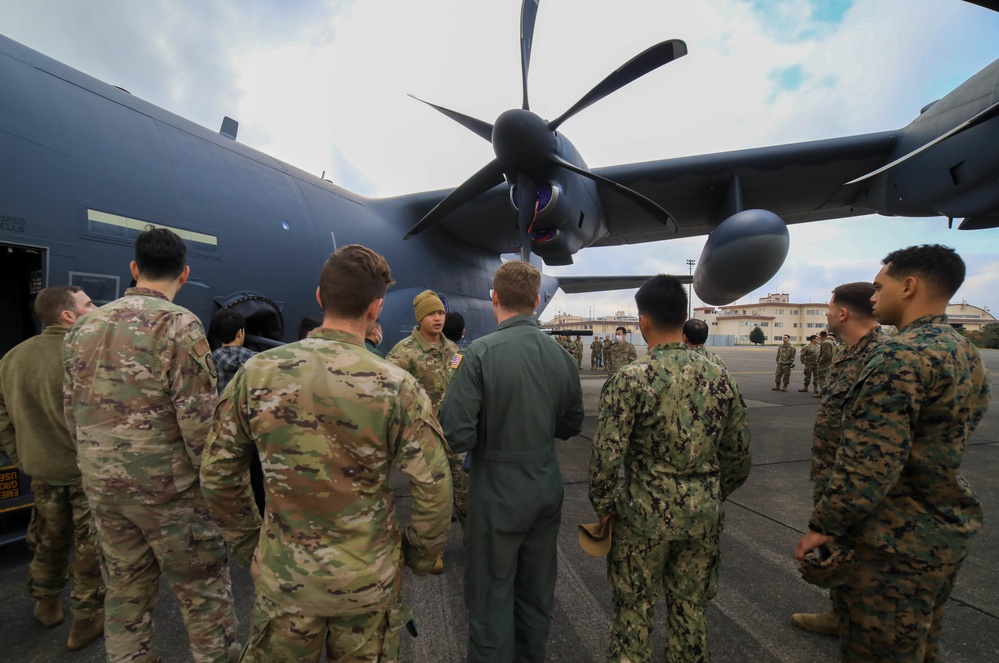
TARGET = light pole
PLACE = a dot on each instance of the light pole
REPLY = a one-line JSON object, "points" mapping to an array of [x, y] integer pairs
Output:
{"points": [[690, 287]]}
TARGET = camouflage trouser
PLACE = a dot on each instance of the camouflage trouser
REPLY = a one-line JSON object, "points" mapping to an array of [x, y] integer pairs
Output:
{"points": [[459, 486], [579, 359], [594, 360], [822, 377], [891, 608], [280, 634], [783, 373], [810, 372], [638, 569], [62, 516], [180, 540]]}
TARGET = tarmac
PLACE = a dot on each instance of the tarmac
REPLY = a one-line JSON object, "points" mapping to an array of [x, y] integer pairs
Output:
{"points": [[759, 586]]}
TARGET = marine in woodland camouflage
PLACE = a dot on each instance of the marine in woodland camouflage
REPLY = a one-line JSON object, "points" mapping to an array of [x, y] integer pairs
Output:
{"points": [[829, 421], [895, 484]]}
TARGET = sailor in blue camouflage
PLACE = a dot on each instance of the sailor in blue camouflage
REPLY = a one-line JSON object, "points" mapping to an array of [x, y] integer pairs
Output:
{"points": [[329, 420], [894, 491], [676, 424], [139, 394]]}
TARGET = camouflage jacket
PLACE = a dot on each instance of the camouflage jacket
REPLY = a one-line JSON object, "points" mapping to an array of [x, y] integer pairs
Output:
{"points": [[32, 422], [138, 394], [620, 354], [896, 483], [430, 365], [577, 348], [810, 355], [328, 420], [709, 355], [785, 353], [829, 422], [826, 351], [596, 347], [677, 423]]}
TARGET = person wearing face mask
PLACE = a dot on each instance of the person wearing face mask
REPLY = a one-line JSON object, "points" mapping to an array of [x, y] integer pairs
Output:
{"points": [[621, 352], [374, 338]]}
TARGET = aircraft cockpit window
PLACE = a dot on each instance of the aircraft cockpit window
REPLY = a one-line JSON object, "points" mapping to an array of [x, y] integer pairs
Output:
{"points": [[115, 225]]}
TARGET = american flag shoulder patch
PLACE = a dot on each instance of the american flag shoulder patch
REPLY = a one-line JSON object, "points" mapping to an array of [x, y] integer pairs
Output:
{"points": [[456, 361]]}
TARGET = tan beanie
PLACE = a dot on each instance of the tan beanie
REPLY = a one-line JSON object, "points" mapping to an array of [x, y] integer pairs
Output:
{"points": [[426, 303]]}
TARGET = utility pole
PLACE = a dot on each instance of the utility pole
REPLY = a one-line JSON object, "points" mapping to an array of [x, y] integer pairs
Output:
{"points": [[690, 287]]}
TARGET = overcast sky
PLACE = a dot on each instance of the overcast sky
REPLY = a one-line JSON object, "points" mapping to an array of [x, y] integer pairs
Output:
{"points": [[322, 85]]}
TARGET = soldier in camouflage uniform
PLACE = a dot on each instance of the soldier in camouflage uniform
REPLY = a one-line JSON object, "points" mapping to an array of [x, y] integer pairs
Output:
{"points": [[513, 394], [851, 314], [695, 333], [677, 423], [894, 491], [426, 354], [785, 362], [577, 351], [809, 360], [329, 420], [33, 433], [621, 352], [596, 347], [139, 393], [608, 344], [823, 365]]}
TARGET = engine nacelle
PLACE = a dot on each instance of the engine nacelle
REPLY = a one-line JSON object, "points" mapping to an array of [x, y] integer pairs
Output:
{"points": [[741, 254]]}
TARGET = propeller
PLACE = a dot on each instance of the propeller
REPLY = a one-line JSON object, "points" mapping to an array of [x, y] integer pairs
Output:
{"points": [[527, 147]]}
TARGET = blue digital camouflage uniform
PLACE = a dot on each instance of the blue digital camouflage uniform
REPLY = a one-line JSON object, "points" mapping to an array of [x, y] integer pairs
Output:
{"points": [[514, 392], [895, 492], [139, 394], [431, 366], [33, 433], [329, 419], [785, 362], [677, 424]]}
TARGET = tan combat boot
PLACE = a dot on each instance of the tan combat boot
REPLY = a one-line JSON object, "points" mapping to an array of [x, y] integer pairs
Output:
{"points": [[85, 631], [804, 390], [823, 623], [48, 611]]}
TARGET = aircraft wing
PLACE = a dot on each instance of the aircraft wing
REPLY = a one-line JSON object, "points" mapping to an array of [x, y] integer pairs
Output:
{"points": [[799, 182], [577, 284]]}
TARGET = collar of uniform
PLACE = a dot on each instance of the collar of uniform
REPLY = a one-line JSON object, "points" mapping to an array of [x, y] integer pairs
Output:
{"points": [[328, 334], [927, 320], [663, 347], [144, 292], [424, 343], [55, 330], [523, 319]]}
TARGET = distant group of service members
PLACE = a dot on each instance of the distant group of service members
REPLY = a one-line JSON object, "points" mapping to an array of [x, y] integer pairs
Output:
{"points": [[143, 442]]}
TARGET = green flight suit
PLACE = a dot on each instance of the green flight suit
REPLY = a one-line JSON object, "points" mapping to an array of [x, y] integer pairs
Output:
{"points": [[514, 392]]}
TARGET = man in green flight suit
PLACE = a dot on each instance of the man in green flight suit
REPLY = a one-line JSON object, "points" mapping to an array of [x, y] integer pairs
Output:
{"points": [[677, 423], [513, 393]]}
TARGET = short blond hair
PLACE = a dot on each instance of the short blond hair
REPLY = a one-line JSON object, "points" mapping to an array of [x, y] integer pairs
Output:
{"points": [[516, 284]]}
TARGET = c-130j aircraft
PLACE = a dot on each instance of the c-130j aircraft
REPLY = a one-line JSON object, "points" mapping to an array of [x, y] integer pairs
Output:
{"points": [[86, 166]]}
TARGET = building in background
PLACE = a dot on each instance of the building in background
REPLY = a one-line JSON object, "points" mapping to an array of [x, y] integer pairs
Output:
{"points": [[603, 326]]}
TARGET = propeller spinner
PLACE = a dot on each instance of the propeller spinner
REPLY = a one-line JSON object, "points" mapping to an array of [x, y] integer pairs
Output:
{"points": [[526, 146]]}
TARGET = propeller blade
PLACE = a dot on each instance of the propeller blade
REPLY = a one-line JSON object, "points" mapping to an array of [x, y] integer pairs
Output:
{"points": [[488, 176], [647, 204], [528, 14], [527, 208], [479, 127], [987, 114], [633, 69]]}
